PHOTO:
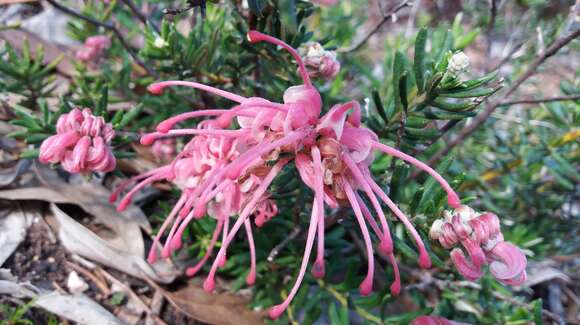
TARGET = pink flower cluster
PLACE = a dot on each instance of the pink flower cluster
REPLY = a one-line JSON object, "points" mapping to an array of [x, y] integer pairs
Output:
{"points": [[93, 48], [481, 238], [202, 158], [319, 62], [81, 143], [434, 320], [226, 172]]}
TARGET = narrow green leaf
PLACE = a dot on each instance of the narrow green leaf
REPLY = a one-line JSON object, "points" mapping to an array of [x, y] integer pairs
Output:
{"points": [[398, 69], [379, 105], [419, 59], [101, 109], [478, 92]]}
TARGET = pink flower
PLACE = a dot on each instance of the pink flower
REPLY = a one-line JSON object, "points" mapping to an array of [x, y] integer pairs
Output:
{"points": [[81, 143], [318, 61], [93, 48], [332, 154], [164, 149], [481, 238], [434, 320]]}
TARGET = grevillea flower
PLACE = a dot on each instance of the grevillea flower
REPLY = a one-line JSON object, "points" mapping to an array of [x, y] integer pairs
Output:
{"points": [[434, 320], [81, 143], [481, 238], [332, 154], [93, 48], [319, 62]]}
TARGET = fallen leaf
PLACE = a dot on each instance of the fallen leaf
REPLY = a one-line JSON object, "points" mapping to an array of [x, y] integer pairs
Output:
{"points": [[217, 308], [8, 175], [13, 225], [92, 198], [75, 307], [79, 240]]}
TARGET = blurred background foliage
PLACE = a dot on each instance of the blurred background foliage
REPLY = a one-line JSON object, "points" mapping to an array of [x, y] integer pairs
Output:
{"points": [[522, 164]]}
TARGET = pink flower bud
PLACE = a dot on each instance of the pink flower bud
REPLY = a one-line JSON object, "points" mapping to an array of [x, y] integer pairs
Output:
{"points": [[81, 144], [93, 48], [318, 61]]}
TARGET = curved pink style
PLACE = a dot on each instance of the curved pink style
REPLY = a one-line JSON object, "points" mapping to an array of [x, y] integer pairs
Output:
{"points": [[481, 238], [81, 143], [225, 173]]}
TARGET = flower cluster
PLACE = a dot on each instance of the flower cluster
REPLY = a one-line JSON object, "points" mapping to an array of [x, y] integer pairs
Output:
{"points": [[81, 143], [201, 159], [434, 320], [226, 172], [93, 48], [481, 237], [319, 62]]}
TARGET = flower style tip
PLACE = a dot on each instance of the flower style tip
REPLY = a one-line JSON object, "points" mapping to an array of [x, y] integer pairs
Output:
{"points": [[318, 269], [276, 311], [156, 88], [209, 285], [148, 139], [366, 287], [251, 278]]}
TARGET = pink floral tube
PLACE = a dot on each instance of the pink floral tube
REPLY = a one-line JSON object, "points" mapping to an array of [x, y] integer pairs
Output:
{"points": [[81, 144], [434, 320]]}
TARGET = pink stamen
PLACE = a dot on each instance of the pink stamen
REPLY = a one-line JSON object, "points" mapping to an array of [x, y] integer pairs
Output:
{"points": [[152, 252], [157, 89], [318, 270], [276, 311], [424, 259], [209, 283], [191, 271], [255, 36], [251, 278], [452, 197], [148, 139], [366, 286], [396, 285], [386, 240]]}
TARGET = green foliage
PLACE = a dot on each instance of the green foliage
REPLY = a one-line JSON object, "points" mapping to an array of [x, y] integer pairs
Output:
{"points": [[26, 73]]}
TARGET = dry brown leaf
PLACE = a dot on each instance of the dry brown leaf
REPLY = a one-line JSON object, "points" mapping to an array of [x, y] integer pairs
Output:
{"points": [[79, 240], [218, 308]]}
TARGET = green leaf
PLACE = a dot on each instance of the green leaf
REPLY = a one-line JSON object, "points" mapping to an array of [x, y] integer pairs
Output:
{"points": [[101, 109], [419, 59], [30, 154], [443, 115], [398, 70], [453, 106], [130, 116], [478, 92], [538, 311], [379, 105], [288, 14]]}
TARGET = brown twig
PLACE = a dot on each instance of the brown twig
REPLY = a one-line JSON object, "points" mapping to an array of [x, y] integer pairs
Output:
{"points": [[109, 27], [386, 17], [276, 250], [539, 100], [137, 12], [491, 107]]}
